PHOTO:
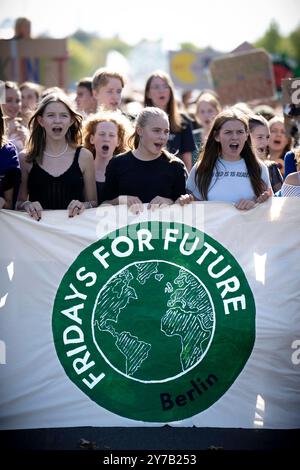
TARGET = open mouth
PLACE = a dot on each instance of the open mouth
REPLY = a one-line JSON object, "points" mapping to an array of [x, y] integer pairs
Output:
{"points": [[57, 129], [158, 146], [105, 148], [234, 147]]}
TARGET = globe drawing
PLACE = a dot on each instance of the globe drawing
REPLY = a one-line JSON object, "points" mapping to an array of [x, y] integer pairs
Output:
{"points": [[153, 320]]}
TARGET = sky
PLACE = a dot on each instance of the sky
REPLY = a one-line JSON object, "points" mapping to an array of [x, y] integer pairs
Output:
{"points": [[221, 24]]}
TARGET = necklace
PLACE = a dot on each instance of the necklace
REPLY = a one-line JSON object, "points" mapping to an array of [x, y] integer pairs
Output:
{"points": [[59, 155]]}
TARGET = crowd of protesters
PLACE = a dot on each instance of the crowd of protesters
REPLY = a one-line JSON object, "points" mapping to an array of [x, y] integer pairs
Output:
{"points": [[77, 152]]}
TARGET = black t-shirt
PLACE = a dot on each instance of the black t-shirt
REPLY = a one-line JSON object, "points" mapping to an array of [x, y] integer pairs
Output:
{"points": [[126, 175], [100, 191], [182, 141]]}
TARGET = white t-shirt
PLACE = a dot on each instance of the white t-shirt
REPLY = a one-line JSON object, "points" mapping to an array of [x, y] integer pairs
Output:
{"points": [[230, 182]]}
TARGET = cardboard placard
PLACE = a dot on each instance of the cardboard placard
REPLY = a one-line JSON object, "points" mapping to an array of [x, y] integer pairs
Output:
{"points": [[244, 76], [190, 69], [41, 61]]}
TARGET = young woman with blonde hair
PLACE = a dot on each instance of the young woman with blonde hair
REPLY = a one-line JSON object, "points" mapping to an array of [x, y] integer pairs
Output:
{"points": [[149, 173]]}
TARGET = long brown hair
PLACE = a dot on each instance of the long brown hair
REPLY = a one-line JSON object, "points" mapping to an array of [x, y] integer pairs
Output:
{"points": [[37, 140], [212, 151], [3, 139], [172, 108]]}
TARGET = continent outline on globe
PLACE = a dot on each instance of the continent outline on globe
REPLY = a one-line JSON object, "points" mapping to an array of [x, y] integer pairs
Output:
{"points": [[168, 395]]}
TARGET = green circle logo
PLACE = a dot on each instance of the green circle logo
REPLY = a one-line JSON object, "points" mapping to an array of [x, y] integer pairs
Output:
{"points": [[154, 322]]}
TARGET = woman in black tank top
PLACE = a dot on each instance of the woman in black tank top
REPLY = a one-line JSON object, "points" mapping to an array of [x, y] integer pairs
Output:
{"points": [[56, 172]]}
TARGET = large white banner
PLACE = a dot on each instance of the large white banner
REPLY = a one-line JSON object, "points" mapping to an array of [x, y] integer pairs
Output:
{"points": [[187, 316]]}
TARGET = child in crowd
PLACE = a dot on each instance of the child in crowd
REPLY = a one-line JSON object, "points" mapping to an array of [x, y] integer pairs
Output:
{"points": [[105, 134], [279, 143], [10, 173], [85, 101], [147, 174], [207, 107], [260, 134], [227, 169], [16, 131], [56, 172], [107, 88], [159, 92], [31, 94]]}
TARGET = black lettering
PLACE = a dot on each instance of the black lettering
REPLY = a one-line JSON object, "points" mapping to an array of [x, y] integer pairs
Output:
{"points": [[211, 379], [199, 387], [196, 387], [202, 384], [167, 403], [180, 400], [190, 394]]}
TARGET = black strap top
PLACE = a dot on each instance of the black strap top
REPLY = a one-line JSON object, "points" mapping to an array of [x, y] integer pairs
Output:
{"points": [[56, 192]]}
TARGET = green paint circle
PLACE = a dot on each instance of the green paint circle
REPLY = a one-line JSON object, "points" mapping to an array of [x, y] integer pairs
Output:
{"points": [[148, 335]]}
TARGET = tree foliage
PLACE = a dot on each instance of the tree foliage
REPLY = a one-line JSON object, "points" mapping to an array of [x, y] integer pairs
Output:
{"points": [[276, 44], [88, 52], [271, 39], [81, 60], [189, 46], [294, 39]]}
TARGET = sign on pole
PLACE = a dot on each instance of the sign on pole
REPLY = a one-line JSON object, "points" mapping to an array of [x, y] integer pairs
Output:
{"points": [[244, 76], [190, 69], [41, 61]]}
